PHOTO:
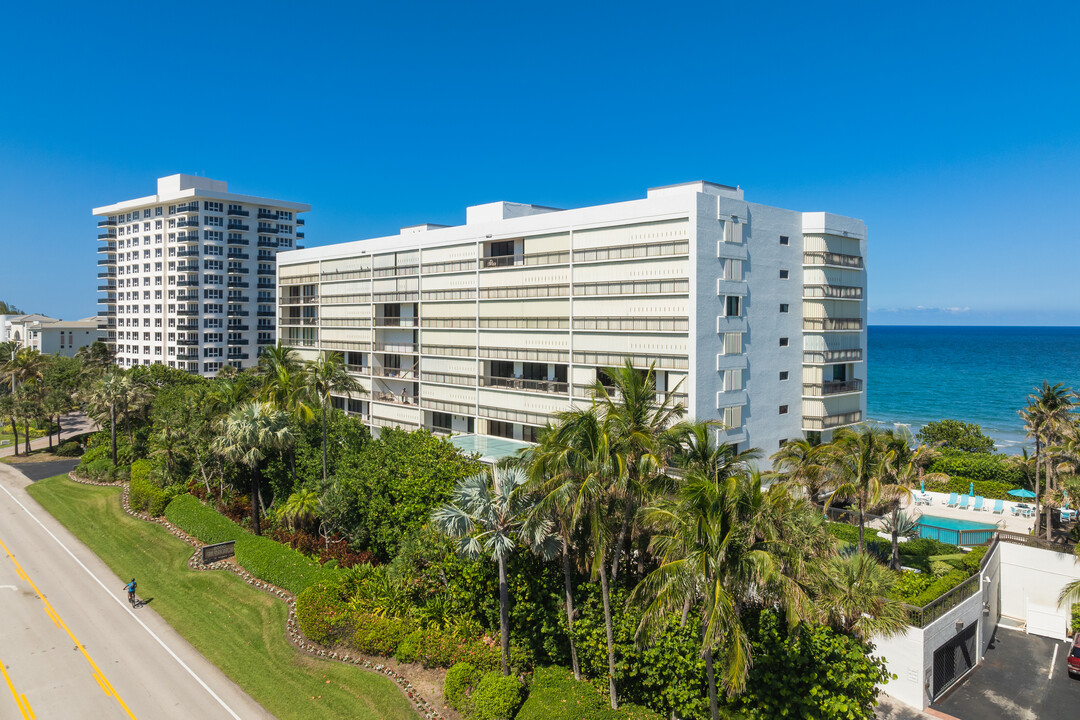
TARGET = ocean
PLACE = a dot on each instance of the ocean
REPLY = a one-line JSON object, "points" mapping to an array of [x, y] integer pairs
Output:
{"points": [[976, 374]]}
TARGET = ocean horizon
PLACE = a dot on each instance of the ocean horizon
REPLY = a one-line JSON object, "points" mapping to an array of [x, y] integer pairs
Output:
{"points": [[978, 374]]}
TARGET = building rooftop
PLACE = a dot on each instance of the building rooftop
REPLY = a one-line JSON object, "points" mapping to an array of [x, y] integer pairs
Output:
{"points": [[181, 187]]}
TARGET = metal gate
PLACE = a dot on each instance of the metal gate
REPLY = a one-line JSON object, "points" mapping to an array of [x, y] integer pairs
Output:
{"points": [[953, 659]]}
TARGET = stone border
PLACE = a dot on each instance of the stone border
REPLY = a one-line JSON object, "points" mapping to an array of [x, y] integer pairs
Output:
{"points": [[292, 628]]}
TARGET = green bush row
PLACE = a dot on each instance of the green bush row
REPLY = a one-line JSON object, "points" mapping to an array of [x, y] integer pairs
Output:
{"points": [[978, 466], [918, 591], [146, 496], [987, 488], [200, 521], [101, 470], [556, 695]]}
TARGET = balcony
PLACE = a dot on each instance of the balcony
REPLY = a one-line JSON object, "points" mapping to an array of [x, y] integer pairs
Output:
{"points": [[396, 322], [187, 325], [237, 241], [187, 222], [111, 273], [187, 297], [111, 300], [237, 270], [190, 282], [238, 313], [265, 284], [187, 354], [111, 222], [187, 238], [832, 292], [107, 261], [238, 226], [236, 212], [106, 288], [825, 357], [299, 235], [407, 348], [239, 341], [298, 321], [238, 284], [107, 248], [267, 229], [832, 324], [267, 243], [106, 236], [191, 207], [189, 252], [401, 398], [187, 313], [832, 260], [301, 221], [187, 342], [406, 373], [237, 255], [538, 386], [828, 422], [106, 313], [188, 268], [237, 328], [832, 387], [239, 299], [265, 313]]}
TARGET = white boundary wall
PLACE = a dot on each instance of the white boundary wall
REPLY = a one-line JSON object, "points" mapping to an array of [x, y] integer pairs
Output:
{"points": [[1031, 580]]}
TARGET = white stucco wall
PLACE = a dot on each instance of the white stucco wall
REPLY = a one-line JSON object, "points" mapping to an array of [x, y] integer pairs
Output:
{"points": [[1031, 576]]}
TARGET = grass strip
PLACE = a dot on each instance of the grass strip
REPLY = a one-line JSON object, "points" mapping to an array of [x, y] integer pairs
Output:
{"points": [[236, 627]]}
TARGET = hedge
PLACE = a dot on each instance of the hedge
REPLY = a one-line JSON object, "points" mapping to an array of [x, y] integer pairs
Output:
{"points": [[556, 695], [147, 496], [322, 612], [460, 681], [278, 564], [978, 467], [941, 585], [987, 488], [200, 521], [497, 697]]}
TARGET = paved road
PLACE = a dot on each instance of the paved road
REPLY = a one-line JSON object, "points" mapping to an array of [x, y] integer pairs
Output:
{"points": [[71, 647], [42, 470], [73, 424], [1021, 677]]}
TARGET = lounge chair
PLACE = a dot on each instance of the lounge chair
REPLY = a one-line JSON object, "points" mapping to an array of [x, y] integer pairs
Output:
{"points": [[999, 507], [978, 503], [964, 500], [952, 500]]}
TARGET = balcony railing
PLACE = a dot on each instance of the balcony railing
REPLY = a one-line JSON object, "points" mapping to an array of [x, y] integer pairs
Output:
{"points": [[107, 248], [187, 222], [106, 236], [403, 270], [835, 259], [106, 261], [396, 322], [237, 226], [298, 321], [237, 241], [106, 288], [188, 238], [189, 252], [236, 255], [267, 229], [301, 221], [408, 348], [267, 215], [824, 357], [188, 207], [540, 386], [107, 273], [194, 282], [836, 387], [832, 323], [237, 270], [401, 398], [236, 212], [827, 422], [545, 258], [267, 243], [406, 373], [111, 222], [833, 292], [238, 283]]}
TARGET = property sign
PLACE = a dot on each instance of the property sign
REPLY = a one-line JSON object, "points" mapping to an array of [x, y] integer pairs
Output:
{"points": [[220, 551]]}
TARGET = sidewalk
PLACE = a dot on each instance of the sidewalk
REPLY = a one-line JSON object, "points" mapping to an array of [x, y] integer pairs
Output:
{"points": [[72, 424]]}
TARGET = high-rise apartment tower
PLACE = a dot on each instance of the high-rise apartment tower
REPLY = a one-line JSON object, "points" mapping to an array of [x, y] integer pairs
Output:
{"points": [[751, 315], [188, 274]]}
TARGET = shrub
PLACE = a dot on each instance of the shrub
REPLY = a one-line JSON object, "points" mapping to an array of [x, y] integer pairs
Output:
{"points": [[843, 531], [277, 564], [1074, 624], [140, 469], [69, 448], [322, 612], [556, 695], [987, 488], [377, 635], [200, 521], [145, 495], [458, 687], [922, 594], [407, 649], [956, 435], [497, 697], [996, 468]]}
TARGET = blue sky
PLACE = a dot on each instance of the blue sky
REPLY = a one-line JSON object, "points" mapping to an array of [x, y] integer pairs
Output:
{"points": [[952, 129]]}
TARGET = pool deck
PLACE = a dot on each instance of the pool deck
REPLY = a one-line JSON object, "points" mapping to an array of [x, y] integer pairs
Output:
{"points": [[1006, 520]]}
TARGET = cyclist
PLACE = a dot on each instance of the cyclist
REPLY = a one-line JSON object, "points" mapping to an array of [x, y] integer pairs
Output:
{"points": [[130, 587]]}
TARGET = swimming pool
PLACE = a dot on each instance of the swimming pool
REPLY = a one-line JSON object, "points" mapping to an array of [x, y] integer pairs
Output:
{"points": [[953, 530]]}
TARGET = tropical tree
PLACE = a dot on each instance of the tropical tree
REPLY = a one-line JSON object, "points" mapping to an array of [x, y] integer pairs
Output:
{"points": [[490, 516], [1048, 409], [104, 397], [798, 461], [25, 371], [249, 433], [720, 547], [282, 384], [856, 462], [637, 417], [854, 596], [323, 377], [300, 509]]}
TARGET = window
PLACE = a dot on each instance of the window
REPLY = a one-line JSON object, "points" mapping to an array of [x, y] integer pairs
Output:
{"points": [[783, 274], [783, 375], [784, 241], [783, 441], [783, 409], [732, 306], [443, 421], [783, 307], [783, 342]]}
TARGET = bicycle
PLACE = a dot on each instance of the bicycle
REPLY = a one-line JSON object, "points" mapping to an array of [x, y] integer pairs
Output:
{"points": [[130, 587]]}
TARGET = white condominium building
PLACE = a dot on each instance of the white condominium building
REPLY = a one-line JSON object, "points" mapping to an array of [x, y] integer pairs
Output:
{"points": [[188, 274], [751, 315]]}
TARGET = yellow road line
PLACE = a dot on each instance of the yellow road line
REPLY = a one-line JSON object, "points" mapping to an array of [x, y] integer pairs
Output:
{"points": [[106, 686], [20, 700]]}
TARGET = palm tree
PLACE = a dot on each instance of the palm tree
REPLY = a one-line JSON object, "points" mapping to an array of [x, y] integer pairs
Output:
{"points": [[907, 465], [249, 434], [856, 461], [104, 397], [691, 446], [854, 596], [135, 398], [282, 385], [301, 508], [721, 544], [325, 376], [1047, 409], [637, 418], [25, 370], [491, 519], [798, 461]]}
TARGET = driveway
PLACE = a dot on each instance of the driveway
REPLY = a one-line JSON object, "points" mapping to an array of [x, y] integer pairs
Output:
{"points": [[1020, 677], [72, 647], [41, 470]]}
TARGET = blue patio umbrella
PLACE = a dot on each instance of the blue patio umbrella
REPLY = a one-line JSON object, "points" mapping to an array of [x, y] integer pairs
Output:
{"points": [[971, 489], [1022, 493], [922, 486]]}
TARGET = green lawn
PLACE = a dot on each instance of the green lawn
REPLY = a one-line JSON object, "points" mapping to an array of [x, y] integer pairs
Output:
{"points": [[238, 628]]}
